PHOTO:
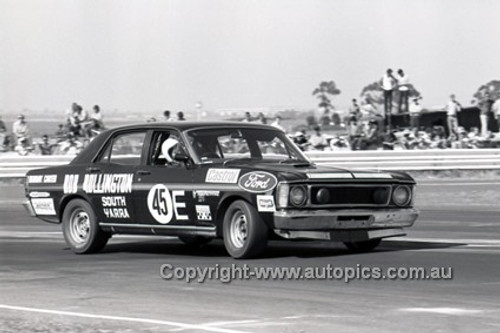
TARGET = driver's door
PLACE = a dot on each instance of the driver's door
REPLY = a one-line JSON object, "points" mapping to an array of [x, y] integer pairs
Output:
{"points": [[163, 186]]}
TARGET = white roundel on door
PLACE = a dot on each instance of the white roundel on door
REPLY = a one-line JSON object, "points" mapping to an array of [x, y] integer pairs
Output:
{"points": [[160, 203]]}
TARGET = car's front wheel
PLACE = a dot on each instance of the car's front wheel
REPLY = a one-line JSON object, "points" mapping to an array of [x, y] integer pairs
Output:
{"points": [[363, 246], [245, 234], [80, 228]]}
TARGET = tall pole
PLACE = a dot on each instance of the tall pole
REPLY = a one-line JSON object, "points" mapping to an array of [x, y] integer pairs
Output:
{"points": [[198, 107]]}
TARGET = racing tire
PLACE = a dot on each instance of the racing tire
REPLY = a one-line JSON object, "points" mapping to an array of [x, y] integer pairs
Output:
{"points": [[245, 234], [363, 246], [195, 240], [81, 230]]}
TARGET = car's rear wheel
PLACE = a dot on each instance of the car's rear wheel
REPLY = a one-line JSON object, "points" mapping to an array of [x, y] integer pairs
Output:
{"points": [[195, 240], [363, 246], [245, 234], [80, 228]]}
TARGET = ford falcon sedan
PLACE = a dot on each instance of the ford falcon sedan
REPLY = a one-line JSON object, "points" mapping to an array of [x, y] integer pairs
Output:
{"points": [[244, 183]]}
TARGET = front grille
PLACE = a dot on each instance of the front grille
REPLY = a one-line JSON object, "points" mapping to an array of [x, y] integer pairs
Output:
{"points": [[350, 195]]}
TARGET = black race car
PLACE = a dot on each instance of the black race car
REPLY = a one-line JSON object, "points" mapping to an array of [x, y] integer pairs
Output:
{"points": [[241, 182]]}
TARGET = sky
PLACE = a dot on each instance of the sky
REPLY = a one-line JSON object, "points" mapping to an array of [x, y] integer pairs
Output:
{"points": [[146, 55]]}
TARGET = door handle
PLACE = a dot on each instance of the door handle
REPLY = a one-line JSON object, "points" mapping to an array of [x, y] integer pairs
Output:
{"points": [[93, 170], [143, 172]]}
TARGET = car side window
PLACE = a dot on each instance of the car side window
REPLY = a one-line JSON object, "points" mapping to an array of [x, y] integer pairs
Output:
{"points": [[124, 149], [164, 147]]}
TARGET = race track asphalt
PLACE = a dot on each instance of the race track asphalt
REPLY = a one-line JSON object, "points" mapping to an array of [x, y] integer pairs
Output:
{"points": [[45, 287]]}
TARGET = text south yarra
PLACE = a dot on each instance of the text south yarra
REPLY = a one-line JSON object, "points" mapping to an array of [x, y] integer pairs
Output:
{"points": [[108, 183]]}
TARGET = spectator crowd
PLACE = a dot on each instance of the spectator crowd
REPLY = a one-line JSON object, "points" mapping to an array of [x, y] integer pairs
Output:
{"points": [[78, 128], [364, 127], [370, 129]]}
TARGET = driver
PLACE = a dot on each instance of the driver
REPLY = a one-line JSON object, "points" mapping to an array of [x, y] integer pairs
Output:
{"points": [[168, 150]]}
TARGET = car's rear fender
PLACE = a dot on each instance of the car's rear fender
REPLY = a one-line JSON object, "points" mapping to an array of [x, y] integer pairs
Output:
{"points": [[67, 198]]}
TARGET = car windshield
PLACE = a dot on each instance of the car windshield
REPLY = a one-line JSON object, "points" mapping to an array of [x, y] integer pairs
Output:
{"points": [[223, 145]]}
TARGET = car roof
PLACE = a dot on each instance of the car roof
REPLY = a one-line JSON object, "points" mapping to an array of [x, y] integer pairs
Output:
{"points": [[188, 125]]}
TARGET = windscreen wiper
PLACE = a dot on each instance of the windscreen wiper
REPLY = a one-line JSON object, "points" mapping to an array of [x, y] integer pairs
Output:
{"points": [[295, 162]]}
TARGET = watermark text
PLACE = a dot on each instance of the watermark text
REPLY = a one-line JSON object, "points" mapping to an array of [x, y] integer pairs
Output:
{"points": [[226, 274]]}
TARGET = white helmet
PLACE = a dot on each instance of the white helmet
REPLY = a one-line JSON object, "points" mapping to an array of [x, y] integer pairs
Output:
{"points": [[167, 149]]}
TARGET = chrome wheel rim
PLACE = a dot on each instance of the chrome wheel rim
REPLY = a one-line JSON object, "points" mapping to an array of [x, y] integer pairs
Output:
{"points": [[79, 226], [239, 229]]}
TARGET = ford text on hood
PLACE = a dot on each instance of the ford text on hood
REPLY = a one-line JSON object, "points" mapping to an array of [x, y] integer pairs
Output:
{"points": [[244, 183]]}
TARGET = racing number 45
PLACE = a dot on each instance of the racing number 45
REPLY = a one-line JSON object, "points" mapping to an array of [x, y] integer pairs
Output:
{"points": [[160, 203], [164, 205]]}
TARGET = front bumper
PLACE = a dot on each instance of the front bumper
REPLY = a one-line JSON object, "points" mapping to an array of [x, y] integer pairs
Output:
{"points": [[344, 219]]}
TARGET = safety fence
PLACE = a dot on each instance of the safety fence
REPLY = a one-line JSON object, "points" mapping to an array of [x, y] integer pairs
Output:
{"points": [[412, 160], [404, 160]]}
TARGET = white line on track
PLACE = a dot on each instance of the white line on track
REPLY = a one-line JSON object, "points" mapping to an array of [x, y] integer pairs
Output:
{"points": [[456, 184], [468, 242], [228, 323], [120, 318], [223, 323], [445, 311]]}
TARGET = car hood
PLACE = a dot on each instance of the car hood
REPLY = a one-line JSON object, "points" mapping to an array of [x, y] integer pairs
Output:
{"points": [[313, 172]]}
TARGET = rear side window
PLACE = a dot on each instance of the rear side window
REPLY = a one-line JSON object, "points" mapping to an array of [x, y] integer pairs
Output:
{"points": [[124, 149]]}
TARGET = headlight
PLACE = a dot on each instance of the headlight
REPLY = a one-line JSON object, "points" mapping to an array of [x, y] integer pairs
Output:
{"points": [[323, 196], [401, 195], [381, 195], [298, 195]]}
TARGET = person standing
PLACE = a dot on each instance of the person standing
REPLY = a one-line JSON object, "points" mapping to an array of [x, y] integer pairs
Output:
{"points": [[354, 118], [496, 111], [72, 111], [3, 128], [180, 116], [20, 128], [452, 109], [4, 138], [355, 109], [485, 106], [97, 118], [83, 115], [404, 90], [388, 83], [415, 111], [261, 118], [166, 116], [75, 119], [248, 118]]}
